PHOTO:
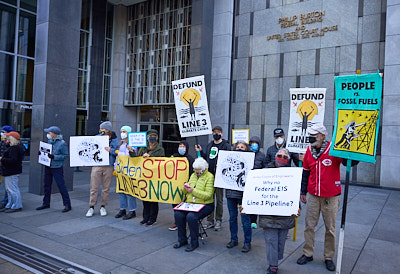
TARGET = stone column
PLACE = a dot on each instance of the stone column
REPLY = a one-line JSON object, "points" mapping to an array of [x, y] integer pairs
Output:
{"points": [[55, 79], [390, 160]]}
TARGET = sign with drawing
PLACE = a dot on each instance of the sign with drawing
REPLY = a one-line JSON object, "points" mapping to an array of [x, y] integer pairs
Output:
{"points": [[89, 151], [191, 106], [232, 169], [307, 108], [45, 149], [358, 106]]}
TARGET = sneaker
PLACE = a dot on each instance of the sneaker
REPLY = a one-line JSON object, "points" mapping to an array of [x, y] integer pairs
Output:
{"points": [[90, 212], [130, 215], [254, 225], [103, 211], [173, 227], [217, 225], [209, 225], [150, 223], [142, 222]]}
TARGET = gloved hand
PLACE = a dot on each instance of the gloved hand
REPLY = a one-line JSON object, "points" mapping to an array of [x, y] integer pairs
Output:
{"points": [[51, 156], [39, 152]]}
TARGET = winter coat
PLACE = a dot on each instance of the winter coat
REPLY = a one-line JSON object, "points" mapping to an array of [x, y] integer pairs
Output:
{"points": [[271, 152], [11, 162], [157, 151], [203, 192]]}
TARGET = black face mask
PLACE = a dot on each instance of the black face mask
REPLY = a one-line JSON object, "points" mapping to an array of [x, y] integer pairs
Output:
{"points": [[217, 136], [312, 139]]}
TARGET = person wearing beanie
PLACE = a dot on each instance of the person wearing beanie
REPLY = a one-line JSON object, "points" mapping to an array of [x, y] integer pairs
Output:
{"points": [[103, 174], [153, 149], [59, 152], [11, 167], [183, 151], [126, 201], [4, 145]]}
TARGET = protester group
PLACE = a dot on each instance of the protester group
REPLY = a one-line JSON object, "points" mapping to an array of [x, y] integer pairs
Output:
{"points": [[320, 187]]}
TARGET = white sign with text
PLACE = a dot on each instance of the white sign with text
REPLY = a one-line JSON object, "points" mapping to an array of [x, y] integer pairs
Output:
{"points": [[272, 191], [137, 139]]}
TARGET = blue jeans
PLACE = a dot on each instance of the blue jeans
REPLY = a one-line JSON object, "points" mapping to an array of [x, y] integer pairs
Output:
{"points": [[58, 175], [192, 218], [14, 195], [233, 223], [125, 200]]}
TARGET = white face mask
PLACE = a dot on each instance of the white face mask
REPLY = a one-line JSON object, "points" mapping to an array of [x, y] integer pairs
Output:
{"points": [[124, 135], [279, 140], [49, 136]]}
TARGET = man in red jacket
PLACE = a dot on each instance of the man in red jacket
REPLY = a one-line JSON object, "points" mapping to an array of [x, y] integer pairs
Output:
{"points": [[321, 179]]}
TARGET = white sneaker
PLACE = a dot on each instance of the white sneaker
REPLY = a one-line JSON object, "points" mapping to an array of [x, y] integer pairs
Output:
{"points": [[90, 212], [217, 225], [103, 211]]}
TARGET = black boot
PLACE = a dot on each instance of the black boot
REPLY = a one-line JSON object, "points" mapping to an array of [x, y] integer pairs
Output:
{"points": [[121, 213], [130, 215]]}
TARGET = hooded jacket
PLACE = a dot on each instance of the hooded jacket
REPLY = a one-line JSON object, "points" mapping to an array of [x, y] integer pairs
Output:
{"points": [[188, 157]]}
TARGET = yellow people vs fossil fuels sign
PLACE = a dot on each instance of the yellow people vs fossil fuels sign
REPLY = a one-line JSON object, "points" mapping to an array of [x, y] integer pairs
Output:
{"points": [[155, 179]]}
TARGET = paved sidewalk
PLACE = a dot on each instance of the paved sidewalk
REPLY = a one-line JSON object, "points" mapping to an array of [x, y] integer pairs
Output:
{"points": [[109, 245]]}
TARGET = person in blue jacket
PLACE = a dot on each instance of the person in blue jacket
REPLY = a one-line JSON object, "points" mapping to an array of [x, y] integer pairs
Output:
{"points": [[58, 154]]}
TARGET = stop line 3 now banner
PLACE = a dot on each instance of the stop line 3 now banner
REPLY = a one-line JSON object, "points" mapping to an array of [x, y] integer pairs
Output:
{"points": [[155, 179], [358, 108], [307, 108]]}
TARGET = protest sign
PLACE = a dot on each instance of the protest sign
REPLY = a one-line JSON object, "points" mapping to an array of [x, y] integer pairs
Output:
{"points": [[137, 139], [189, 207], [191, 106], [307, 107], [89, 151], [232, 169], [240, 135], [358, 105], [45, 149], [272, 191], [155, 179]]}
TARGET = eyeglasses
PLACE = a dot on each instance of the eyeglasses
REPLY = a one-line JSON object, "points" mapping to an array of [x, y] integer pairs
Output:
{"points": [[282, 156]]}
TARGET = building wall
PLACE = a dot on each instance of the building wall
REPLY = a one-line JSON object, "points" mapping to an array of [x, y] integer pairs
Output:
{"points": [[391, 126], [265, 69]]}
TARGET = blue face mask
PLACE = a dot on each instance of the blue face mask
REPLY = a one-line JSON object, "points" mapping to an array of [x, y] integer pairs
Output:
{"points": [[254, 147], [181, 150]]}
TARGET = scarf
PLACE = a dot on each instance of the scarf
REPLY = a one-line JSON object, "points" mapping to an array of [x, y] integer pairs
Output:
{"points": [[316, 153]]}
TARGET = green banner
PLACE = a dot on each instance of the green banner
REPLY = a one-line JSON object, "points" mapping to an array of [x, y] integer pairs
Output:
{"points": [[358, 108]]}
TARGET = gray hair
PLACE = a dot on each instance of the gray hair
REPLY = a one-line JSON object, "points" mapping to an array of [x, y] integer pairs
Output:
{"points": [[13, 141], [284, 150], [200, 163]]}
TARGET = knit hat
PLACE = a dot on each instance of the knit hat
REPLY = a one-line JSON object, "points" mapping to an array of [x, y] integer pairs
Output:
{"points": [[54, 129], [106, 125], [13, 134], [7, 128], [317, 128], [152, 132], [126, 128]]}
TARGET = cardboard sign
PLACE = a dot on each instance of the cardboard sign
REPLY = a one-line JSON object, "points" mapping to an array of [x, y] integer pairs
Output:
{"points": [[137, 139], [232, 169], [358, 107], [307, 107], [45, 149], [89, 151], [155, 179], [272, 191], [240, 135], [191, 106]]}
